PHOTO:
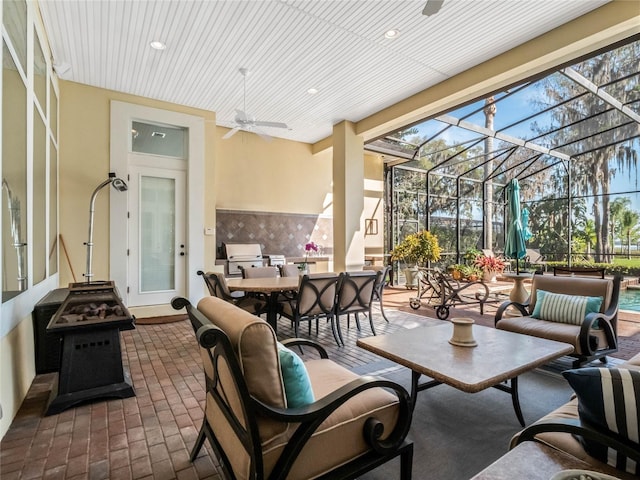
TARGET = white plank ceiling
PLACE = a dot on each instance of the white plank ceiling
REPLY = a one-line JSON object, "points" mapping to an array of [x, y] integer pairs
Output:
{"points": [[335, 46]]}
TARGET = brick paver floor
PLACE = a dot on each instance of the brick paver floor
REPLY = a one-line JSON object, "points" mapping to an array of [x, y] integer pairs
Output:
{"points": [[149, 436]]}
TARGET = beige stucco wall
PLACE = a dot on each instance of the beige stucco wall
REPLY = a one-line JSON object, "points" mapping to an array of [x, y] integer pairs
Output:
{"points": [[271, 176], [17, 370], [84, 163], [244, 172]]}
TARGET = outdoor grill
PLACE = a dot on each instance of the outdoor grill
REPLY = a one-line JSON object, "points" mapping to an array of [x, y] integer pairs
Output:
{"points": [[242, 255], [275, 260]]}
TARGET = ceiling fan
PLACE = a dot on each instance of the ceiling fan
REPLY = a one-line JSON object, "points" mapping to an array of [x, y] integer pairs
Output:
{"points": [[246, 122], [432, 7]]}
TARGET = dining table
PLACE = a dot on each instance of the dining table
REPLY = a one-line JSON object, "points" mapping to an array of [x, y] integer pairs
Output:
{"points": [[271, 287]]}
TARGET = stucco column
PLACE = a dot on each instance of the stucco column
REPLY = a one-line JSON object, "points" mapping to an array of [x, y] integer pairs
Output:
{"points": [[348, 198]]}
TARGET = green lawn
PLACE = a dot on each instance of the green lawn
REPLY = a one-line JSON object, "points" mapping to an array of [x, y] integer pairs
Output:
{"points": [[626, 262]]}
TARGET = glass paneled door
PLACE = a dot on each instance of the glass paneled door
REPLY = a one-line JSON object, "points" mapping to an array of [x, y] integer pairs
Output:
{"points": [[157, 243]]}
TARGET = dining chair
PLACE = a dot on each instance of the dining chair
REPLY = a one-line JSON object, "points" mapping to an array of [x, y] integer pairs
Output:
{"points": [[381, 284], [217, 285], [315, 299], [355, 296], [260, 272], [289, 270]]}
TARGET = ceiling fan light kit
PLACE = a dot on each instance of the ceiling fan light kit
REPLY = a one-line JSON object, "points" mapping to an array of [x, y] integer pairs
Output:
{"points": [[249, 123]]}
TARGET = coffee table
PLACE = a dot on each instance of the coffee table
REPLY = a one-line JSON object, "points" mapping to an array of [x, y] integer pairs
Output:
{"points": [[537, 461], [499, 357]]}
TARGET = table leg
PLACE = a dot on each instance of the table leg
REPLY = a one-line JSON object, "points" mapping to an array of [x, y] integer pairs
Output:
{"points": [[513, 390], [272, 311], [415, 376], [418, 387], [518, 293]]}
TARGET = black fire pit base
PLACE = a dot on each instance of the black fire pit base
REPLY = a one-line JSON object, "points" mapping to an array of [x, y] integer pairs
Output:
{"points": [[91, 368]]}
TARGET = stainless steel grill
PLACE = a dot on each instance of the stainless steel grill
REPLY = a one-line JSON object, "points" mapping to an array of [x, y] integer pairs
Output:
{"points": [[242, 255], [275, 260]]}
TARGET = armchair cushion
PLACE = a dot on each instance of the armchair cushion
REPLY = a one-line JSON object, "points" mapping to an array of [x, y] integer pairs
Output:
{"points": [[558, 307], [609, 400], [297, 385]]}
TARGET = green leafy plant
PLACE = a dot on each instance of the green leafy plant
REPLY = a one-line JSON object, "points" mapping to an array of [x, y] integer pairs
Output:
{"points": [[417, 249]]}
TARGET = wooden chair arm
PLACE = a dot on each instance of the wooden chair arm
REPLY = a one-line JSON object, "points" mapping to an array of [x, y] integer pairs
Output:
{"points": [[577, 427]]}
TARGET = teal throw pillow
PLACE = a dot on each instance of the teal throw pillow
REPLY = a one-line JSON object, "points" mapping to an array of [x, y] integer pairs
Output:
{"points": [[297, 385], [561, 308]]}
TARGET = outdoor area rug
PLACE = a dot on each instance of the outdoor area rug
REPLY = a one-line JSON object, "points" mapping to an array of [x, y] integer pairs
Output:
{"points": [[458, 434]]}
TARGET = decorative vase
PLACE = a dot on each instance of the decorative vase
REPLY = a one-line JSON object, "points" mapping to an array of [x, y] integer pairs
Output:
{"points": [[463, 333], [489, 276], [410, 275]]}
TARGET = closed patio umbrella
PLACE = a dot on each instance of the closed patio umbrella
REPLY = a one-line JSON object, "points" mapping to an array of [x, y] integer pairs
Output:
{"points": [[514, 246]]}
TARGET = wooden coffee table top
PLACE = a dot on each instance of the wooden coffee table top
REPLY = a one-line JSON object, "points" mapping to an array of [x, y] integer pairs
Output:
{"points": [[499, 356]]}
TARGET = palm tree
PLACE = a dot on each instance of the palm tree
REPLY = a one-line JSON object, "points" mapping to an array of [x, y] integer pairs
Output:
{"points": [[616, 210], [629, 225], [596, 166]]}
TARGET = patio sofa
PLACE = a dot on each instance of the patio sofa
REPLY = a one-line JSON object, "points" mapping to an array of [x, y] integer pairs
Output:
{"points": [[546, 314], [570, 427], [268, 415]]}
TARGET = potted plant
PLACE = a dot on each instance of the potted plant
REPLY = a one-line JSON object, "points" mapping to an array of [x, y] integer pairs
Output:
{"points": [[490, 267], [456, 271], [416, 250], [471, 255]]}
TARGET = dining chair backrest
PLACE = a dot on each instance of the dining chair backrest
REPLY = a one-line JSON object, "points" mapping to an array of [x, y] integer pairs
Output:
{"points": [[260, 272], [356, 291], [216, 284], [317, 294], [289, 270]]}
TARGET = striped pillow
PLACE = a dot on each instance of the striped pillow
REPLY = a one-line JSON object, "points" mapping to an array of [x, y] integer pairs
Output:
{"points": [[609, 400], [561, 308]]}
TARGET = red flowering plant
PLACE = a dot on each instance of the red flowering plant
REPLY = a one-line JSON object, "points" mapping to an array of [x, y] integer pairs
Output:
{"points": [[491, 264], [309, 247]]}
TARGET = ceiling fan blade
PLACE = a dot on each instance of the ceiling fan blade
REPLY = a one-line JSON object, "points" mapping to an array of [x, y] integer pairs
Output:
{"points": [[432, 7], [261, 134], [270, 124], [231, 133]]}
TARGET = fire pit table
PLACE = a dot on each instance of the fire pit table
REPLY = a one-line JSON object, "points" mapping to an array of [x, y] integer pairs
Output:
{"points": [[89, 321]]}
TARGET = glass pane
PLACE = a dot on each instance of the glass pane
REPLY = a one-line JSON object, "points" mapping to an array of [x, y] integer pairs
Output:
{"points": [[40, 72], [53, 209], [157, 233], [53, 113], [162, 140], [15, 21], [39, 198], [14, 180]]}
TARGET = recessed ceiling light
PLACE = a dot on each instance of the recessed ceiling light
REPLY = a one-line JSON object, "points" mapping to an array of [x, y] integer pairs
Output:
{"points": [[157, 45], [391, 33], [312, 91]]}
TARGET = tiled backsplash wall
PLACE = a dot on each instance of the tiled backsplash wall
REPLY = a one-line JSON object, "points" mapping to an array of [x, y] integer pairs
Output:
{"points": [[277, 233]]}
